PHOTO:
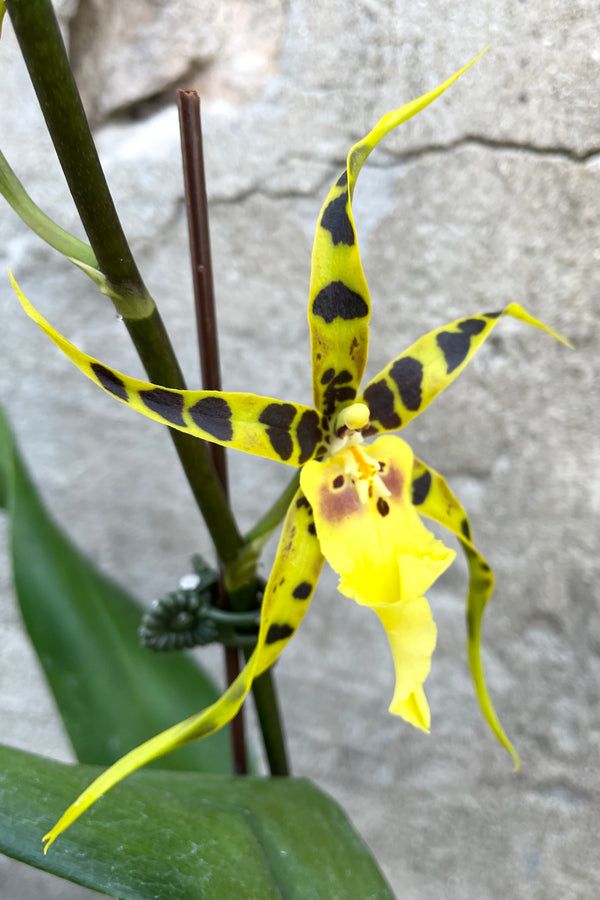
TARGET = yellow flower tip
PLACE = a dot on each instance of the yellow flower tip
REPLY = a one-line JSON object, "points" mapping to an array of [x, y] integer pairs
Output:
{"points": [[48, 840], [414, 709]]}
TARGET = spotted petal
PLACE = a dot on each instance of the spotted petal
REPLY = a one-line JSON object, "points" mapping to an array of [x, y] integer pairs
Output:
{"points": [[339, 304], [287, 432], [291, 585], [385, 557], [408, 384], [433, 498]]}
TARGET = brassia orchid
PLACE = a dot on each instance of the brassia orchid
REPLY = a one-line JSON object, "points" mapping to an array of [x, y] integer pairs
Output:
{"points": [[358, 505]]}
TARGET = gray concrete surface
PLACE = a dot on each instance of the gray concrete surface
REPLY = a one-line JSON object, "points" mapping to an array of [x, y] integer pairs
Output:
{"points": [[492, 195]]}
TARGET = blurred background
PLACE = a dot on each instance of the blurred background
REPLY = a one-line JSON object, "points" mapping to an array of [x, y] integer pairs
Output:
{"points": [[491, 195]]}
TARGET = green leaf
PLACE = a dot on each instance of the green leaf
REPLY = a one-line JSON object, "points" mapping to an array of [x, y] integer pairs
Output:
{"points": [[112, 693], [187, 836]]}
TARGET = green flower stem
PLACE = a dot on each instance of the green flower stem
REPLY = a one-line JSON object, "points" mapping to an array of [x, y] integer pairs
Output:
{"points": [[44, 53], [14, 192], [265, 527], [267, 709]]}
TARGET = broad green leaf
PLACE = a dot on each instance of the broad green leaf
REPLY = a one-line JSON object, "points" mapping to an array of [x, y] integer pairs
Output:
{"points": [[187, 836], [112, 693]]}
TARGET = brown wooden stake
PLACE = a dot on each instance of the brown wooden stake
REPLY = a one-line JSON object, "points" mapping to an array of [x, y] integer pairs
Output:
{"points": [[188, 103]]}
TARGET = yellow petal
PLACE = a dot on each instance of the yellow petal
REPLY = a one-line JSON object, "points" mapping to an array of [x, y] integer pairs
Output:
{"points": [[412, 635], [407, 386], [435, 500], [287, 432], [339, 304], [372, 536]]}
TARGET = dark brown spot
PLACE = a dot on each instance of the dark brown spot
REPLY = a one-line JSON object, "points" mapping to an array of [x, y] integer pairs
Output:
{"points": [[302, 591], [167, 404], [278, 633], [380, 400], [308, 434], [213, 415], [408, 376], [279, 417], [465, 528], [338, 482], [110, 381], [336, 220], [383, 507], [337, 300], [338, 391], [301, 501], [327, 376], [312, 528], [455, 345], [421, 487]]}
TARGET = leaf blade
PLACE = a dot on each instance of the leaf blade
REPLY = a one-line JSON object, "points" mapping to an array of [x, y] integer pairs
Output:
{"points": [[188, 835], [111, 692]]}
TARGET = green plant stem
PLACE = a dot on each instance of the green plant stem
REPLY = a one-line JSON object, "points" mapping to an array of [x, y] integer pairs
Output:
{"points": [[267, 524], [44, 53], [13, 191], [267, 709]]}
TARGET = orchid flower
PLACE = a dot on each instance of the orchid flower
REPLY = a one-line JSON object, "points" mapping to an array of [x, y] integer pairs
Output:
{"points": [[359, 505]]}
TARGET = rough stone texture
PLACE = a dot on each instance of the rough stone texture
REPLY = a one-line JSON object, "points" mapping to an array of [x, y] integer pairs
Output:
{"points": [[490, 196]]}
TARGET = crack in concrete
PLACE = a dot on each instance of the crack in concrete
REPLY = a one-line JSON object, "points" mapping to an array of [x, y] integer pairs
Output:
{"points": [[474, 140], [394, 159]]}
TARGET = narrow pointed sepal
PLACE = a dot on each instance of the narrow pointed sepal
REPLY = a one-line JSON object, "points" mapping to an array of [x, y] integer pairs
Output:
{"points": [[287, 432], [407, 386], [287, 595], [339, 304], [386, 558], [433, 498]]}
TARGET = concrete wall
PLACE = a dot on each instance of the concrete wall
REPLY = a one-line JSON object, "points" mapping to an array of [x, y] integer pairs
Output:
{"points": [[492, 195]]}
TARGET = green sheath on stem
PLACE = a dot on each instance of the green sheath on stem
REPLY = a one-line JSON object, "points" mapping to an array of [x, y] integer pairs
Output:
{"points": [[14, 192]]}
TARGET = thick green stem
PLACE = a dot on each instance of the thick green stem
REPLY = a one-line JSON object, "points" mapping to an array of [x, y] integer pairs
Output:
{"points": [[44, 53], [267, 709]]}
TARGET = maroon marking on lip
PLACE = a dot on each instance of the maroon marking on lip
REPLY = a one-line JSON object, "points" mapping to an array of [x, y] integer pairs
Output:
{"points": [[335, 507]]}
